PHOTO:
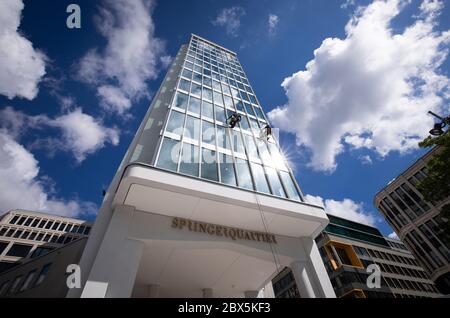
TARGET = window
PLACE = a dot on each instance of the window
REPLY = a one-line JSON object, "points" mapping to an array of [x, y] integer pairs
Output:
{"points": [[194, 105], [3, 246], [18, 233], [41, 251], [189, 160], [220, 114], [208, 133], [343, 256], [28, 221], [251, 147], [209, 165], [176, 122], [238, 144], [196, 89], [168, 155], [207, 94], [192, 129], [181, 100], [260, 178], [14, 219], [55, 225], [22, 219], [207, 110], [184, 85], [42, 274], [28, 280], [223, 140], [290, 186], [19, 250], [35, 222], [277, 188], [243, 174], [227, 170]]}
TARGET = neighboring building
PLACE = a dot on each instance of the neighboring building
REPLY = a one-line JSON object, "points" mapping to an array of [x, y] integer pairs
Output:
{"points": [[418, 223], [348, 248], [198, 208], [43, 276], [25, 235]]}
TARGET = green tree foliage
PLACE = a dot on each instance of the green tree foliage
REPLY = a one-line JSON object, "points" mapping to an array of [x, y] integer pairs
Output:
{"points": [[436, 186]]}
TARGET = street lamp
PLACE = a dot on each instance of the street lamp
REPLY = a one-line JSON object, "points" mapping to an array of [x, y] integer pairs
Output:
{"points": [[438, 128]]}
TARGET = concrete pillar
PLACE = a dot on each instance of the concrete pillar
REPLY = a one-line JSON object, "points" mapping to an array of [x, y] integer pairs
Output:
{"points": [[207, 293], [336, 255], [153, 290], [316, 271], [115, 267], [302, 279], [251, 293]]}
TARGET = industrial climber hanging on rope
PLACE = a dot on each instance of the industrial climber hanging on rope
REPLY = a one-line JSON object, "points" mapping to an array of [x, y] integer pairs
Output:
{"points": [[233, 119]]}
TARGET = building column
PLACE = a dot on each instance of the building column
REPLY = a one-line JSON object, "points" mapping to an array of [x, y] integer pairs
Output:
{"points": [[335, 255], [251, 294], [207, 293], [116, 264], [315, 270], [302, 279], [153, 290]]}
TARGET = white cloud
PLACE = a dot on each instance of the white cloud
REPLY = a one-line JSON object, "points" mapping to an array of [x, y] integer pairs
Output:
{"points": [[273, 23], [230, 18], [365, 160], [133, 55], [21, 187], [113, 97], [21, 66], [80, 134], [394, 236], [370, 90], [347, 209]]}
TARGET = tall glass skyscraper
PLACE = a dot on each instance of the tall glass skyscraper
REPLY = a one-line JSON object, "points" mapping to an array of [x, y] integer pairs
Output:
{"points": [[203, 203]]}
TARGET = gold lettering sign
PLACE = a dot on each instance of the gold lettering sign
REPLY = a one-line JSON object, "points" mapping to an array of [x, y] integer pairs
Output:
{"points": [[219, 230]]}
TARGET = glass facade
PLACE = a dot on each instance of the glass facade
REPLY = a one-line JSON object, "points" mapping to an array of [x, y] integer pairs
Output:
{"points": [[197, 140]]}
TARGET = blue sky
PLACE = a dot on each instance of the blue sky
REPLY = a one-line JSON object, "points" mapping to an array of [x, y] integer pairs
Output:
{"points": [[351, 114]]}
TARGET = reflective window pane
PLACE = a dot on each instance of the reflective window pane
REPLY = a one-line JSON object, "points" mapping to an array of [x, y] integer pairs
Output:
{"points": [[238, 144], [277, 188], [251, 147], [226, 169], [209, 165], [184, 85], [197, 77], [220, 114], [176, 122], [168, 156], [196, 89], [186, 73], [218, 98], [207, 110], [208, 133], [243, 174], [181, 100], [216, 85], [260, 178], [207, 94], [228, 102], [192, 129], [207, 81], [194, 105], [244, 123], [255, 126], [290, 186], [222, 137], [249, 109], [239, 106], [189, 163]]}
